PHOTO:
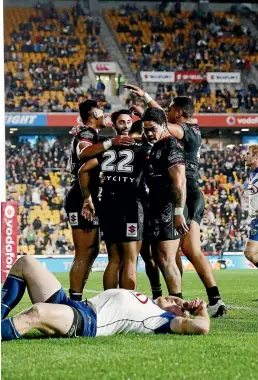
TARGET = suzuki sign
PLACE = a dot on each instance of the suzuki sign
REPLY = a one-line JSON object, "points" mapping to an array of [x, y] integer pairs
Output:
{"points": [[158, 76], [223, 77]]}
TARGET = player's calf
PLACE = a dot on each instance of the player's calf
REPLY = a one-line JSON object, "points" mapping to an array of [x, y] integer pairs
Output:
{"points": [[14, 286], [130, 252], [111, 274]]}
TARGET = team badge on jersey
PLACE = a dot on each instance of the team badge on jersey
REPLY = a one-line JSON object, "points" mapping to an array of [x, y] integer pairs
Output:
{"points": [[73, 218], [158, 154], [131, 230]]}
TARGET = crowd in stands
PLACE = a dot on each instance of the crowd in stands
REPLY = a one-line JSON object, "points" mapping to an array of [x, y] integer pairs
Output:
{"points": [[224, 183], [183, 40], [38, 178], [66, 95], [220, 101], [46, 55]]}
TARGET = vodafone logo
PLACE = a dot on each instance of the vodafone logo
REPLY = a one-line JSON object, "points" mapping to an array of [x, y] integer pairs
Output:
{"points": [[231, 120], [79, 120], [9, 237], [237, 121], [102, 67], [9, 212]]}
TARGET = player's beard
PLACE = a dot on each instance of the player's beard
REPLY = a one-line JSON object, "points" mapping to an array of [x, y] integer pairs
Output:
{"points": [[124, 132]]}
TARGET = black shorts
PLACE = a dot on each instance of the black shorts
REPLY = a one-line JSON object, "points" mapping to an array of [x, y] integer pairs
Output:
{"points": [[194, 201], [121, 220], [161, 219], [73, 203]]}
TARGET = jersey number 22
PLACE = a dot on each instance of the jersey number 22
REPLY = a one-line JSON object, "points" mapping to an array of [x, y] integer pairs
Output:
{"points": [[122, 165]]}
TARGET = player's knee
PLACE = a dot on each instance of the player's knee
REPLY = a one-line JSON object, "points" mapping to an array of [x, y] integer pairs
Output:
{"points": [[164, 259], [38, 312], [25, 262], [130, 260], [150, 264], [249, 254]]}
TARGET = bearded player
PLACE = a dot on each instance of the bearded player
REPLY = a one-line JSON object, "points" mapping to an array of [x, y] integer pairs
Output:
{"points": [[121, 207], [180, 126], [85, 144], [251, 160]]}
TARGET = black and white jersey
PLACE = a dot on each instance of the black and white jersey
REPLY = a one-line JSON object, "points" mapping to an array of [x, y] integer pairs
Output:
{"points": [[123, 170], [192, 141], [164, 154], [90, 136]]}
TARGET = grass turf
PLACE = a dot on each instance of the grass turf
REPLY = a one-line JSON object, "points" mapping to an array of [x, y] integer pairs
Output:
{"points": [[228, 352]]}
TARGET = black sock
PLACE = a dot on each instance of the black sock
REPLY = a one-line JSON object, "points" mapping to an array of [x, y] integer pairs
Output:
{"points": [[156, 291], [75, 296], [179, 295], [213, 295], [256, 264]]}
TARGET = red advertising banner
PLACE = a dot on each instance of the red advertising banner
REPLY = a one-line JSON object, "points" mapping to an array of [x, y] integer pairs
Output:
{"points": [[204, 120], [193, 76], [227, 120], [9, 219]]}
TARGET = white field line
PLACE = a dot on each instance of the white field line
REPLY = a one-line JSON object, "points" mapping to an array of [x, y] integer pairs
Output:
{"points": [[248, 308], [230, 307]]}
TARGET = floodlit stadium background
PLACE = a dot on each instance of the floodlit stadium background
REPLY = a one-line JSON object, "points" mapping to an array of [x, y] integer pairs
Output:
{"points": [[57, 53]]}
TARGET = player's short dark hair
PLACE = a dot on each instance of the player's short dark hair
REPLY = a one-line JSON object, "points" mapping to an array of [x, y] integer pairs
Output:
{"points": [[155, 114], [185, 104], [137, 127], [115, 115], [85, 109]]}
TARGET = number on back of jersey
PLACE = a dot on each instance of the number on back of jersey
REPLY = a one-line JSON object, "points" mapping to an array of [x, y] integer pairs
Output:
{"points": [[118, 161]]}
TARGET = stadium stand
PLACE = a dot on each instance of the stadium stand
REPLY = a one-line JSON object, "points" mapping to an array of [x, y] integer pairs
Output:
{"points": [[155, 40], [46, 55], [37, 179]]}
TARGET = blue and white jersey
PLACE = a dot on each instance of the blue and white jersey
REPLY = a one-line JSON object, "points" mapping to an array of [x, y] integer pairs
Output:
{"points": [[253, 194], [121, 311]]}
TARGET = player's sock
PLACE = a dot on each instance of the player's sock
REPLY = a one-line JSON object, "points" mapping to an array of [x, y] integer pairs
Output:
{"points": [[156, 291], [179, 295], [213, 295], [12, 292], [8, 330], [75, 296], [256, 265]]}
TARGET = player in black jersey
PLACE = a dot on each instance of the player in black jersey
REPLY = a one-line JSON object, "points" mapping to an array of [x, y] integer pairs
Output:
{"points": [[121, 209], [151, 268], [167, 184], [179, 113], [85, 233], [179, 117]]}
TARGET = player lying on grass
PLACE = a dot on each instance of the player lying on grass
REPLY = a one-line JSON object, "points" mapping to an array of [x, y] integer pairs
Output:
{"points": [[111, 312]]}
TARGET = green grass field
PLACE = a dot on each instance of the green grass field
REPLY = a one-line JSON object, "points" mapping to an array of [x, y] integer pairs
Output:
{"points": [[228, 352]]}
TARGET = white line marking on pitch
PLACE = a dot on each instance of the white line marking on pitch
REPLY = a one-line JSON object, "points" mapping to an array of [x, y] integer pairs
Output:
{"points": [[236, 307], [88, 290]]}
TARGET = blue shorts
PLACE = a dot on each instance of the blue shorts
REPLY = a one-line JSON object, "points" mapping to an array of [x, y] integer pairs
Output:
{"points": [[88, 315], [253, 234]]}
